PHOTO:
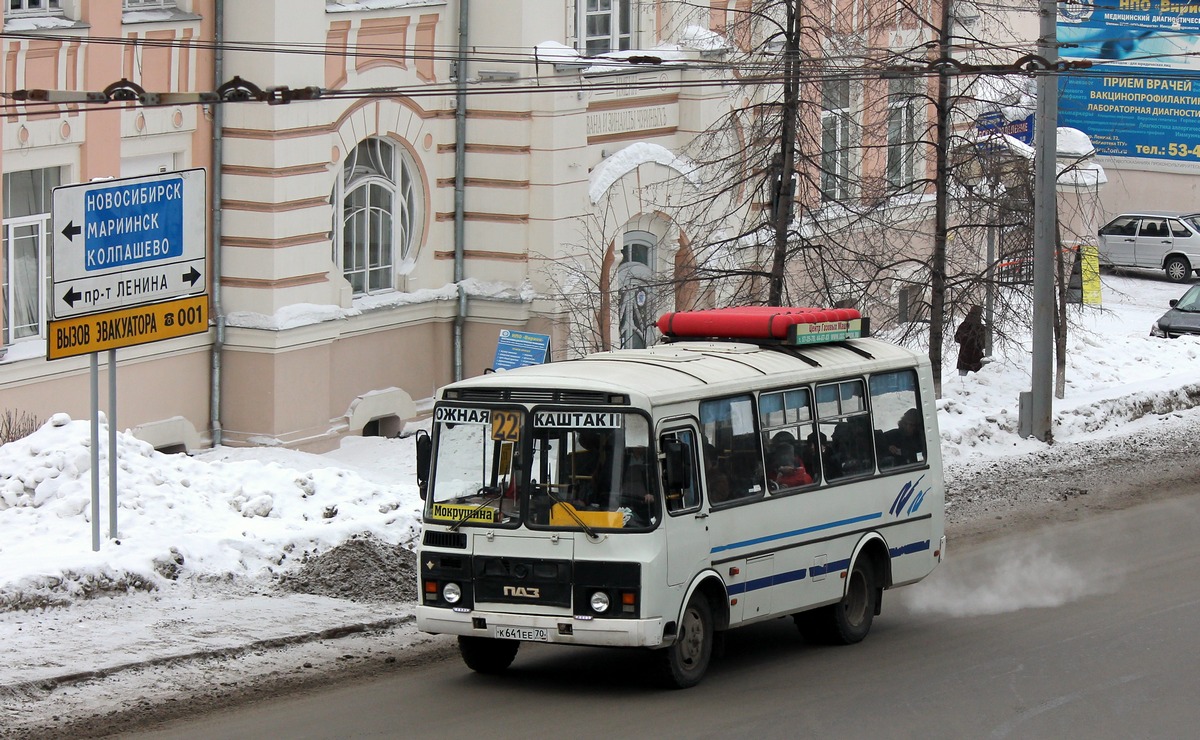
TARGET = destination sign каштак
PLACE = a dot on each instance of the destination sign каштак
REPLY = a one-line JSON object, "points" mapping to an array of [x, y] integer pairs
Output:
{"points": [[128, 242]]}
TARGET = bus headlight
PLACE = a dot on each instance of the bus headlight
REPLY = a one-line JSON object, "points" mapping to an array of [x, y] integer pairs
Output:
{"points": [[451, 593], [599, 602]]}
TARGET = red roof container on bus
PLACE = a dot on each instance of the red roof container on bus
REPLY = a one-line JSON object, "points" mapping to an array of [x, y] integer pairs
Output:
{"points": [[750, 322]]}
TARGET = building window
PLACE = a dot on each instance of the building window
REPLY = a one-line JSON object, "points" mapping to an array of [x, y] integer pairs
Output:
{"points": [[607, 25], [146, 4], [26, 245], [902, 132], [376, 216], [635, 290], [835, 140], [33, 7]]}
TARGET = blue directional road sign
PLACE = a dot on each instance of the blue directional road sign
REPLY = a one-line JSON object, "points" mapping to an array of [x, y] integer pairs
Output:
{"points": [[128, 242]]}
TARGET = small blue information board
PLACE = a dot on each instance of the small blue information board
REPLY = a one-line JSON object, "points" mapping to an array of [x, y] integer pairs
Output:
{"points": [[520, 348]]}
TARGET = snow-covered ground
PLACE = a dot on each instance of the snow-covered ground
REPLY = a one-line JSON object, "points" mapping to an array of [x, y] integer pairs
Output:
{"points": [[203, 540]]}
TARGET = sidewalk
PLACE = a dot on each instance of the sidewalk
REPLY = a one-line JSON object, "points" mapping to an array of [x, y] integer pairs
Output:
{"points": [[108, 635]]}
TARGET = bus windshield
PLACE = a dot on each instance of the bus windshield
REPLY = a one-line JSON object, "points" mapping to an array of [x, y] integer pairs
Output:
{"points": [[594, 467], [547, 469]]}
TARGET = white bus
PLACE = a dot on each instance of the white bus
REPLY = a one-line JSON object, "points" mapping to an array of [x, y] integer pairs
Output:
{"points": [[657, 497]]}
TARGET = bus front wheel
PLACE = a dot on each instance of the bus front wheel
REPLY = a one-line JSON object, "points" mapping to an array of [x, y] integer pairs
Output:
{"points": [[686, 660], [486, 655], [849, 620]]}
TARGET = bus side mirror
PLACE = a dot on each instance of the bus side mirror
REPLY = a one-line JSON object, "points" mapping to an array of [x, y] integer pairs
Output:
{"points": [[676, 470], [424, 458]]}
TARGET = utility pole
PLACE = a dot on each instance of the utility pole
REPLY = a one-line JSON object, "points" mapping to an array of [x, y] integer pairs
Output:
{"points": [[782, 172], [1036, 405], [937, 262]]}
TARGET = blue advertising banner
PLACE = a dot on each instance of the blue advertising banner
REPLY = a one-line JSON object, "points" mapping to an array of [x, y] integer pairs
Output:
{"points": [[1139, 99], [520, 348]]}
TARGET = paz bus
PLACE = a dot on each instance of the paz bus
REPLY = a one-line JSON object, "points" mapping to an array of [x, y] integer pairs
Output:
{"points": [[758, 463]]}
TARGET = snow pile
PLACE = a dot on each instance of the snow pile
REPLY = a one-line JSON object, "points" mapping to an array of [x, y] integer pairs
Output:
{"points": [[307, 314], [626, 160], [704, 40], [1116, 374], [179, 517], [347, 6]]}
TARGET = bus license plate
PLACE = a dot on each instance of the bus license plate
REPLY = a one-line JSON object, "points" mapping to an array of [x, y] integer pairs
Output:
{"points": [[535, 634]]}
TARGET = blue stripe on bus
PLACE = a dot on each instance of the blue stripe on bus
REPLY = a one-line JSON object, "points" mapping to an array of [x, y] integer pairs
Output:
{"points": [[817, 570], [768, 581], [794, 532], [909, 549]]}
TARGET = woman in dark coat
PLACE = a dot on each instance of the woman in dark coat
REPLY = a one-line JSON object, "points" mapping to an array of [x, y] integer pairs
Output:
{"points": [[969, 336]]}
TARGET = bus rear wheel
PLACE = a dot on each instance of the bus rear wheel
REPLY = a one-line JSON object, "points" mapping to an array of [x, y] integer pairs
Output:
{"points": [[686, 660], [849, 620], [486, 655]]}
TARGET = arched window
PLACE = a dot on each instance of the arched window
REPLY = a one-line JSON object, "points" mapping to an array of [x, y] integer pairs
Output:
{"points": [[375, 224], [635, 289]]}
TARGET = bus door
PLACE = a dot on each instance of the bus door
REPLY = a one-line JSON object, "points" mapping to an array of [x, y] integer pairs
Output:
{"points": [[687, 522]]}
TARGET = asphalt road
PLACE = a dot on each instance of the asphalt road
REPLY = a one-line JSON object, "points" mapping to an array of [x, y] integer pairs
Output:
{"points": [[1086, 628]]}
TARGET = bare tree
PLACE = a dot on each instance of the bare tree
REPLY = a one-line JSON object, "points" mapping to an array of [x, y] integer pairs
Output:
{"points": [[826, 155]]}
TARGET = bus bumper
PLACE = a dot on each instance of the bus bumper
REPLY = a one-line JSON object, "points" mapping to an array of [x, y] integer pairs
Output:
{"points": [[538, 628]]}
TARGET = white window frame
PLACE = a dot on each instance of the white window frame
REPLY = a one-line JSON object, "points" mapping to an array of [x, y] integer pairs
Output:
{"points": [[835, 142], [147, 4], [45, 179], [34, 8], [41, 223], [369, 274], [620, 16], [902, 131]]}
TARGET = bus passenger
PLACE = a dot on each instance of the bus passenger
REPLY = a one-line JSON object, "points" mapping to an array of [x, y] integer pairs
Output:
{"points": [[588, 470], [819, 452], [852, 443], [719, 488], [906, 443], [786, 468]]}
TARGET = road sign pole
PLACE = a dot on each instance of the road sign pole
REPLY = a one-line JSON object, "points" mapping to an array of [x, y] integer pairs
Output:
{"points": [[95, 388], [112, 444]]}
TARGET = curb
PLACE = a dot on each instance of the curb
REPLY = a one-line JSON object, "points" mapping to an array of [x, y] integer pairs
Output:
{"points": [[333, 633]]}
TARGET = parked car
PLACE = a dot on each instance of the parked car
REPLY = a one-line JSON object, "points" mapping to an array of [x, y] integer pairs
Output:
{"points": [[1161, 240], [1183, 318]]}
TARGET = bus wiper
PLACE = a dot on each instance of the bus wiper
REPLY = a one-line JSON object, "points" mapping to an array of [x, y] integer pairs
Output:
{"points": [[591, 533], [492, 493]]}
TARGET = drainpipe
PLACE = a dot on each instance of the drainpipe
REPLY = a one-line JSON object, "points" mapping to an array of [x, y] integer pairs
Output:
{"points": [[460, 169], [217, 159]]}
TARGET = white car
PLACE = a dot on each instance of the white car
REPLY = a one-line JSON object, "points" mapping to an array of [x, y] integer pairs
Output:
{"points": [[1160, 240]]}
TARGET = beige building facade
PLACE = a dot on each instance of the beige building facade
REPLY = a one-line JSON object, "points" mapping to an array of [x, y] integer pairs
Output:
{"points": [[393, 184], [368, 242]]}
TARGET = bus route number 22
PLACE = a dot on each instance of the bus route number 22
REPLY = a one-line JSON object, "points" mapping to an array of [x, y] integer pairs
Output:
{"points": [[506, 426]]}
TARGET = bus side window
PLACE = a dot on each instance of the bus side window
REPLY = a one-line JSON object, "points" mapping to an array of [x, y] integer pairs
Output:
{"points": [[844, 419], [786, 421], [900, 427], [679, 470], [729, 426]]}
